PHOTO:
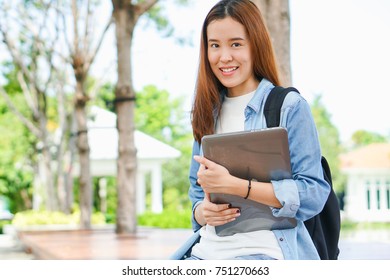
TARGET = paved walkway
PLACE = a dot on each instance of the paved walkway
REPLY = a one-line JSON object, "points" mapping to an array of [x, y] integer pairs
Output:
{"points": [[148, 243], [12, 249]]}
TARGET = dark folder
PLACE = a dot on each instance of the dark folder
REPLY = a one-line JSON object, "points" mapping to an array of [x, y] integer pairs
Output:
{"points": [[261, 155]]}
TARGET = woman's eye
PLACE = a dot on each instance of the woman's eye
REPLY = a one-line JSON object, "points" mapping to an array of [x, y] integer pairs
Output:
{"points": [[235, 45], [214, 45]]}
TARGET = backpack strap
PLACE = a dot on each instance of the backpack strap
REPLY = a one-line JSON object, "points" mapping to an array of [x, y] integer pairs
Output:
{"points": [[274, 104]]}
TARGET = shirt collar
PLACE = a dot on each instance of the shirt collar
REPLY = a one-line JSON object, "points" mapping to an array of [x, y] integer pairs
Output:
{"points": [[257, 100], [262, 91]]}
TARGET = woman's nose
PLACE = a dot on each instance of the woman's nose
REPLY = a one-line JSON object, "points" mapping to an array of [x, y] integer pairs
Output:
{"points": [[226, 56]]}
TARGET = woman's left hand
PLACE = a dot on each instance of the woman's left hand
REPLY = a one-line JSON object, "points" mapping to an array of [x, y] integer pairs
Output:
{"points": [[212, 177]]}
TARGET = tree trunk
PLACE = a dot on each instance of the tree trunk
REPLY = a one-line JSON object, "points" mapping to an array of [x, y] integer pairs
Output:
{"points": [[51, 200], [85, 181], [47, 173], [70, 158], [277, 16], [126, 221], [63, 127]]}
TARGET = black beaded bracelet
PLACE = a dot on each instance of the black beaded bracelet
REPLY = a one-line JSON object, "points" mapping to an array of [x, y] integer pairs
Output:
{"points": [[249, 189]]}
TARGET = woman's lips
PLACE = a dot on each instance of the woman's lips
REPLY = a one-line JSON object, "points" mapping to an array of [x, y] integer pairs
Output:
{"points": [[226, 71]]}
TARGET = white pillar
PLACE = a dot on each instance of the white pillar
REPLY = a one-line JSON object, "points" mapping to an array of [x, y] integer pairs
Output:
{"points": [[373, 201], [157, 203], [383, 198], [103, 194], [141, 192]]}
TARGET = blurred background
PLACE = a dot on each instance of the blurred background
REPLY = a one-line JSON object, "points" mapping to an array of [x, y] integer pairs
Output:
{"points": [[95, 102]]}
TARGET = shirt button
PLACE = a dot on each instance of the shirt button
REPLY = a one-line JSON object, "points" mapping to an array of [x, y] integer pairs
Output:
{"points": [[281, 239]]}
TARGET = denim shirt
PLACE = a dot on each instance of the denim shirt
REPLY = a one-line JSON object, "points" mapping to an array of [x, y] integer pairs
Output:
{"points": [[301, 197]]}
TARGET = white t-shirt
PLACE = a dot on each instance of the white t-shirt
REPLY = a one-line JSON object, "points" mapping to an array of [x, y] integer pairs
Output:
{"points": [[212, 246]]}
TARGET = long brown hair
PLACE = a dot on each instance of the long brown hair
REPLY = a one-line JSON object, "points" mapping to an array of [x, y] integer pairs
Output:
{"points": [[208, 88]]}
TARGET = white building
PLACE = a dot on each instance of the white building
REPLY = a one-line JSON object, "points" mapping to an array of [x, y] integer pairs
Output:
{"points": [[151, 154], [367, 194]]}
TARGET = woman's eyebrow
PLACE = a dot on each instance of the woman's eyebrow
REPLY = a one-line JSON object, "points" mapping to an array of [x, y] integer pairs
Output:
{"points": [[237, 39], [231, 39]]}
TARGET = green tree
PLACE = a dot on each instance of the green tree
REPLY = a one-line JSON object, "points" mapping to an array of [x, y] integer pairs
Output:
{"points": [[153, 111], [364, 137], [329, 140], [164, 118], [16, 142], [37, 69], [160, 116]]}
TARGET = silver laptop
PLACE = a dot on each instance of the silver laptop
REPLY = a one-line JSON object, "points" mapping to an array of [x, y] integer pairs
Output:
{"points": [[261, 155]]}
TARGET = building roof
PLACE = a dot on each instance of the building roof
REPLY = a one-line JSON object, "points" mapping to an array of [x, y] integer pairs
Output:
{"points": [[373, 156], [103, 139]]}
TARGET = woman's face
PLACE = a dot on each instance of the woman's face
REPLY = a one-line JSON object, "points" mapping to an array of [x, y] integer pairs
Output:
{"points": [[230, 56]]}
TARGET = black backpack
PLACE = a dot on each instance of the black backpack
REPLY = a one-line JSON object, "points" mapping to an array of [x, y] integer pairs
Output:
{"points": [[323, 228]]}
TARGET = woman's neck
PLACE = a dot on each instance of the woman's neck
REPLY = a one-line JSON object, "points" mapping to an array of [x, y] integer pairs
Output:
{"points": [[249, 87]]}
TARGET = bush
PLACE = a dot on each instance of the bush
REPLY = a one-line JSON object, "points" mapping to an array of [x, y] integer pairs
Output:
{"points": [[347, 225], [33, 217], [166, 219], [2, 224]]}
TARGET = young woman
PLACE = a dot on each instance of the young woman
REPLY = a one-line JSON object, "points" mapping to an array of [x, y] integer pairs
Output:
{"points": [[236, 73]]}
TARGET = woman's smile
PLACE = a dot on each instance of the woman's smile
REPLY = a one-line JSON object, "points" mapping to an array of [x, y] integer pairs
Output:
{"points": [[228, 71]]}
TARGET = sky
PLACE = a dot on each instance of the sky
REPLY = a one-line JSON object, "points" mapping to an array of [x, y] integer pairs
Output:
{"points": [[340, 49]]}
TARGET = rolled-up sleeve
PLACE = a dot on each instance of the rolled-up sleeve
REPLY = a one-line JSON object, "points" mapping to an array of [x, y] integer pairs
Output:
{"points": [[286, 192], [195, 192]]}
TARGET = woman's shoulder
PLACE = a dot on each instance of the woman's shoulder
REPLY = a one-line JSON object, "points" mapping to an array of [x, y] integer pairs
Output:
{"points": [[294, 99]]}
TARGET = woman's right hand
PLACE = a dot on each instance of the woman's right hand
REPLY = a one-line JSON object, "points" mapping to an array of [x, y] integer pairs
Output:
{"points": [[215, 214]]}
